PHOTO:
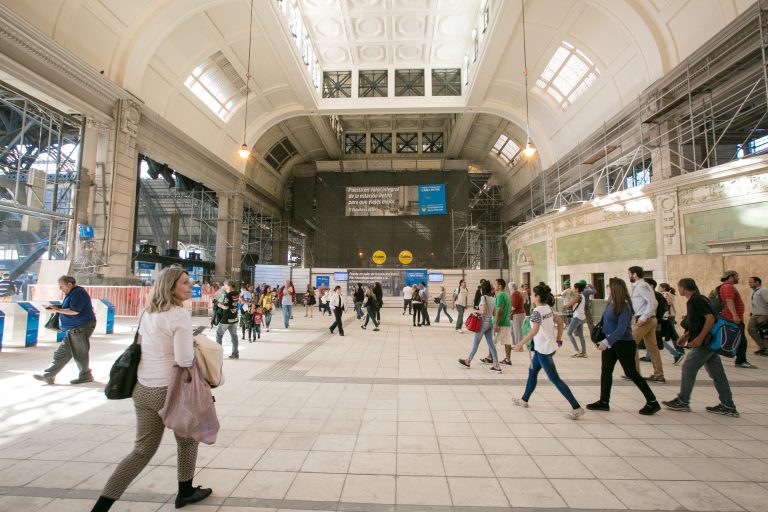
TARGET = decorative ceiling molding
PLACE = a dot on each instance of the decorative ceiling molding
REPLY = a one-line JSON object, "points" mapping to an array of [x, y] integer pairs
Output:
{"points": [[23, 42]]}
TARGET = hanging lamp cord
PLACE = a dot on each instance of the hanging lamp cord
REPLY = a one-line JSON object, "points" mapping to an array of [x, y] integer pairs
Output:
{"points": [[525, 74], [248, 73]]}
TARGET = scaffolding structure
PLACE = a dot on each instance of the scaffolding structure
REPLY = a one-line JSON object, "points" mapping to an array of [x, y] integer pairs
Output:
{"points": [[711, 109], [477, 233], [40, 151]]}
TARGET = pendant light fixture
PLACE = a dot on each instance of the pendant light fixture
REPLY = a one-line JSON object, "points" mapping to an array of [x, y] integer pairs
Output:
{"points": [[244, 152], [529, 149]]}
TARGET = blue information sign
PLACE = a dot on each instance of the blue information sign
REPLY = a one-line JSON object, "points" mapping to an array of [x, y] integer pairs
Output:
{"points": [[322, 281], [413, 277], [197, 292], [341, 276], [432, 200], [437, 277], [85, 231], [146, 265]]}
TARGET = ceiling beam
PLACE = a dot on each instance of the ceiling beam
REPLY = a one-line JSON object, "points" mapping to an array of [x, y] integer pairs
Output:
{"points": [[459, 134], [325, 134]]}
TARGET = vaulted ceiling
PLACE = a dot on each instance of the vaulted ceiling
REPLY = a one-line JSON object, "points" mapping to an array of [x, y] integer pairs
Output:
{"points": [[151, 47]]}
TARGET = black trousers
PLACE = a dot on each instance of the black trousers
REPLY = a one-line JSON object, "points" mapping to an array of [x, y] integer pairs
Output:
{"points": [[337, 312], [416, 313], [407, 305], [622, 351], [741, 350]]}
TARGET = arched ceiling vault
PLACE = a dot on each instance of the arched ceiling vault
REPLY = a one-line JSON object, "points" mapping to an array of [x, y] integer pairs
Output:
{"points": [[149, 47]]}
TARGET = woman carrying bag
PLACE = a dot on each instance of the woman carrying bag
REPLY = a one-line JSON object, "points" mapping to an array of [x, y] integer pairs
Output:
{"points": [[619, 345], [166, 340], [487, 305], [546, 333]]}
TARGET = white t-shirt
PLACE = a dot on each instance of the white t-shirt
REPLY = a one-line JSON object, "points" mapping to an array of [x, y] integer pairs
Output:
{"points": [[407, 292], [461, 297], [490, 304], [166, 339], [545, 341], [579, 307]]}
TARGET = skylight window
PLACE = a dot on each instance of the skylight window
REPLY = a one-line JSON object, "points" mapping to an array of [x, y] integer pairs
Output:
{"points": [[568, 75], [217, 84], [506, 149]]}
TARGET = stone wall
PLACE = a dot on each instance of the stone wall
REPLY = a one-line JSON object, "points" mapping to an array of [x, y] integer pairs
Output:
{"points": [[695, 225]]}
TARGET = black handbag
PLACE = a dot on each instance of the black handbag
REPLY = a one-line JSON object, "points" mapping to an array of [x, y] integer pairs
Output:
{"points": [[597, 333], [123, 374], [53, 323]]}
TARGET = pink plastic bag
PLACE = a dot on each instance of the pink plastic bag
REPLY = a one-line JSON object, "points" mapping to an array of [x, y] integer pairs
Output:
{"points": [[189, 409]]}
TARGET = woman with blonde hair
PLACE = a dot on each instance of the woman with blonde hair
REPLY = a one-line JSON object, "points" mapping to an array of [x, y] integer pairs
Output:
{"points": [[165, 334]]}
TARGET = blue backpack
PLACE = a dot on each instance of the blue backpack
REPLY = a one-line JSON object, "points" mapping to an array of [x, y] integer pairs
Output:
{"points": [[724, 337]]}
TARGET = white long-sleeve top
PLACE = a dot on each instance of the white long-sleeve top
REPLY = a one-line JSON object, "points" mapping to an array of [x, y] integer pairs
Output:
{"points": [[643, 300], [166, 339]]}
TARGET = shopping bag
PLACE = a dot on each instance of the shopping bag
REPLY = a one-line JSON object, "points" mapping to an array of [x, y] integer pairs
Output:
{"points": [[189, 408]]}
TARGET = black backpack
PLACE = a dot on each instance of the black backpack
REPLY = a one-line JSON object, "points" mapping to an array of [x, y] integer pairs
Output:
{"points": [[714, 300], [662, 308]]}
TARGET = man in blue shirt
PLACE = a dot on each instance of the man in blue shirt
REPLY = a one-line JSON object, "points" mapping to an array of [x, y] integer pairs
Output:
{"points": [[77, 320]]}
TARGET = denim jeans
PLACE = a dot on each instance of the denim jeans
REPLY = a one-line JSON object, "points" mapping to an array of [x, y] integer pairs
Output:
{"points": [[441, 307], [485, 329], [359, 310], [76, 344], [696, 358], [459, 317], [576, 325], [232, 328], [371, 316], [547, 362], [268, 318], [287, 312]]}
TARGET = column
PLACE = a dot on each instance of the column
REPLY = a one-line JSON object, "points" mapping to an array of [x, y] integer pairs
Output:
{"points": [[122, 175], [229, 233]]}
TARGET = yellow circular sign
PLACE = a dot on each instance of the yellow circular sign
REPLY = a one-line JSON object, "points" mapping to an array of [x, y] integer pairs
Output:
{"points": [[405, 257], [379, 257]]}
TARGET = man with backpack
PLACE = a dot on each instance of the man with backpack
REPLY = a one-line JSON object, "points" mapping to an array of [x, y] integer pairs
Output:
{"points": [[759, 314], [727, 302], [699, 320]]}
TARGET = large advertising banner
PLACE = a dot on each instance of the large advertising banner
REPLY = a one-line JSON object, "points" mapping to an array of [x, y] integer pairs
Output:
{"points": [[386, 201]]}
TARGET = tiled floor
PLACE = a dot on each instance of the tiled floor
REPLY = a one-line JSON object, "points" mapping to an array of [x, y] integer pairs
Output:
{"points": [[386, 421]]}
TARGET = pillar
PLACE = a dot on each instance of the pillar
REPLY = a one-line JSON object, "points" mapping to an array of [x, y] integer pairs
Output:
{"points": [[229, 233], [121, 180]]}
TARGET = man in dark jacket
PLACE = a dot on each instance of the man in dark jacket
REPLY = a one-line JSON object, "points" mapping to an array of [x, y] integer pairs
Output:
{"points": [[78, 321]]}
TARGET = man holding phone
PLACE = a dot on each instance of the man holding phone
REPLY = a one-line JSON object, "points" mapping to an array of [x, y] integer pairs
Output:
{"points": [[699, 319], [78, 321]]}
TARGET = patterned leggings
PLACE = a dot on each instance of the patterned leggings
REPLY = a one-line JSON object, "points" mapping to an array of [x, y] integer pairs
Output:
{"points": [[149, 433]]}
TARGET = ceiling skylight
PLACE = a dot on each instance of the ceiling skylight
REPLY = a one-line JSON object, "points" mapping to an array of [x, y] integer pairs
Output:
{"points": [[568, 75], [217, 84], [506, 149]]}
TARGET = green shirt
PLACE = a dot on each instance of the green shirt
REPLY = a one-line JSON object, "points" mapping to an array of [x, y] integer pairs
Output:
{"points": [[504, 303]]}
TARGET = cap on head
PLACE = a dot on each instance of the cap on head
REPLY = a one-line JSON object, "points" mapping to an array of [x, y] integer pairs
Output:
{"points": [[583, 281], [567, 282], [727, 274]]}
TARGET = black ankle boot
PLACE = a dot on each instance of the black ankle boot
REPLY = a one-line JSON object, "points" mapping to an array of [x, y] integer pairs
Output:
{"points": [[103, 504]]}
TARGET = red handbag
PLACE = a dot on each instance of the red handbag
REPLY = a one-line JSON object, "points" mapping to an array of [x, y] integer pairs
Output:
{"points": [[474, 322]]}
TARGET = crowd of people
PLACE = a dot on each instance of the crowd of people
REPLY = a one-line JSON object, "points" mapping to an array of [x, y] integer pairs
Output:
{"points": [[641, 317], [641, 314]]}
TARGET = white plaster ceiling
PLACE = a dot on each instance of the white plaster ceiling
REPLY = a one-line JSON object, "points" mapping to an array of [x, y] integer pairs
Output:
{"points": [[348, 34], [149, 47]]}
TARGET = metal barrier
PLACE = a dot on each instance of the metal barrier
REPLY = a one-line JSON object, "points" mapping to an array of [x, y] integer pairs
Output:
{"points": [[129, 301]]}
